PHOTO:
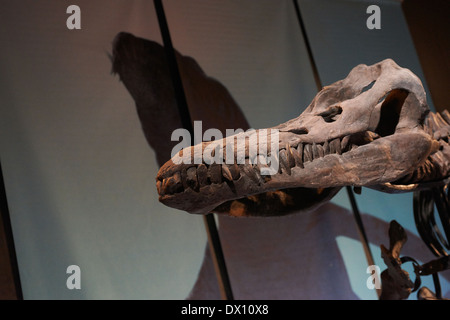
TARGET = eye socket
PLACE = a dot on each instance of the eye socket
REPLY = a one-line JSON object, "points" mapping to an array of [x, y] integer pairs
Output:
{"points": [[330, 113], [390, 111]]}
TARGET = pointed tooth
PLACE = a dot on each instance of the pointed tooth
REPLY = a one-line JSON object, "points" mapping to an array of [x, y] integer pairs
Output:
{"points": [[307, 153], [177, 178], [290, 156], [440, 120], [158, 187], [258, 175], [172, 184], [202, 175], [299, 156], [427, 121], [335, 146], [183, 176], [421, 172], [315, 151], [446, 115], [215, 173], [234, 169], [320, 150], [433, 121], [416, 175], [371, 136], [428, 166], [192, 178], [438, 157], [280, 167], [338, 146], [227, 173], [326, 148], [344, 143], [297, 159], [164, 186], [283, 158], [284, 162], [332, 147], [428, 126], [250, 173], [431, 173]]}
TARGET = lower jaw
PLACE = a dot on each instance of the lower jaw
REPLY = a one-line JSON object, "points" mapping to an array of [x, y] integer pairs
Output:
{"points": [[377, 163]]}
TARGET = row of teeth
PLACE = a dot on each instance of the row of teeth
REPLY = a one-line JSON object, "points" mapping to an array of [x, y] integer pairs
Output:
{"points": [[437, 123], [426, 172], [197, 176], [432, 169]]}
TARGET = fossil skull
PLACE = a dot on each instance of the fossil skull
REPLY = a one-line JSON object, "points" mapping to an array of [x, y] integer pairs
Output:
{"points": [[364, 130]]}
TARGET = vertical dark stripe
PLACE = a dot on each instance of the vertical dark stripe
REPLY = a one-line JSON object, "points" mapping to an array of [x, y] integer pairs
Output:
{"points": [[437, 286], [180, 96], [359, 223], [443, 208], [319, 86], [4, 213], [210, 224], [308, 46], [218, 257]]}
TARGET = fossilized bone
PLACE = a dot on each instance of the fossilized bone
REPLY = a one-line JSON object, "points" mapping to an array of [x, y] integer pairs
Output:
{"points": [[369, 129], [314, 164], [142, 68], [396, 283]]}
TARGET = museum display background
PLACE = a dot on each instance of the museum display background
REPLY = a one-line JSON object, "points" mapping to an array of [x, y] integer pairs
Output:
{"points": [[79, 175]]}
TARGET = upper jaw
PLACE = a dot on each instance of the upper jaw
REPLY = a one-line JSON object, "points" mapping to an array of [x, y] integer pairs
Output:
{"points": [[352, 160]]}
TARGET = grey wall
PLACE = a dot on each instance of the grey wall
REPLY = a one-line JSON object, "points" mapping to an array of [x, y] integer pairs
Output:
{"points": [[78, 172]]}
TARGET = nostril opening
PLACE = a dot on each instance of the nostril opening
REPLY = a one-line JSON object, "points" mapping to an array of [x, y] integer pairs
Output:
{"points": [[390, 112], [331, 113], [368, 87], [299, 131]]}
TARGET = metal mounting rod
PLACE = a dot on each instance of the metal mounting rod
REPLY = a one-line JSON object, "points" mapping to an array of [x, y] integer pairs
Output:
{"points": [[7, 229], [210, 224], [350, 194]]}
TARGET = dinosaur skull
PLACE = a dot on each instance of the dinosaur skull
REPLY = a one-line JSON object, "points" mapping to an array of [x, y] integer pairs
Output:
{"points": [[364, 130]]}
